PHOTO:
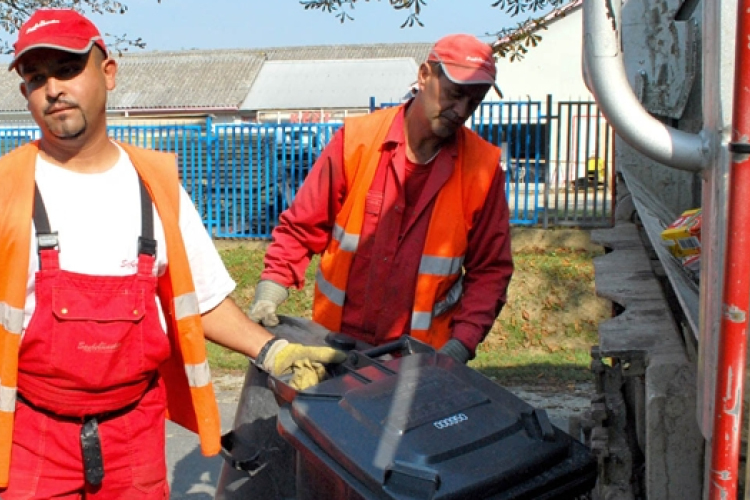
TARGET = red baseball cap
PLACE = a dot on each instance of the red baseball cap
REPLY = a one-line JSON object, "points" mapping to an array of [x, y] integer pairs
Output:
{"points": [[62, 29], [465, 60]]}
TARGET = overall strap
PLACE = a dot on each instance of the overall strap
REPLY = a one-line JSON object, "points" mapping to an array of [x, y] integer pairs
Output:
{"points": [[146, 242], [47, 240]]}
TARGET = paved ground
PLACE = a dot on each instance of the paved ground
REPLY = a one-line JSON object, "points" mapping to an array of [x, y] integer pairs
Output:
{"points": [[193, 476]]}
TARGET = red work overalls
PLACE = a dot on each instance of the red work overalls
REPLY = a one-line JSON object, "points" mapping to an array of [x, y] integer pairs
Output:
{"points": [[88, 380]]}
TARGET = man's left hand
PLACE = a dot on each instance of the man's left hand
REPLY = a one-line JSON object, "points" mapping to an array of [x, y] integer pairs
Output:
{"points": [[456, 350]]}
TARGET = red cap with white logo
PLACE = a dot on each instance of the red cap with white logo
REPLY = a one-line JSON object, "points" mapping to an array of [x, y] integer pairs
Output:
{"points": [[465, 60], [61, 29]]}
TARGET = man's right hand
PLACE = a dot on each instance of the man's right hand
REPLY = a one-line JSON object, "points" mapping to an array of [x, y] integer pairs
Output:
{"points": [[306, 363], [268, 296]]}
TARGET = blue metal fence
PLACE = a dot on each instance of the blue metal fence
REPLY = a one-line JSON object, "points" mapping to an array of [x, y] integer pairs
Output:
{"points": [[257, 170], [519, 128], [242, 176]]}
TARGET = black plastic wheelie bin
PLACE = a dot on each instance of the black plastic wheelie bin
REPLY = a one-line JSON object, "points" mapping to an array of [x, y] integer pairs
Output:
{"points": [[401, 421]]}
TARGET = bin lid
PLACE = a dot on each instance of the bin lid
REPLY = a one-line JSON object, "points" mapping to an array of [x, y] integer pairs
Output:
{"points": [[424, 423]]}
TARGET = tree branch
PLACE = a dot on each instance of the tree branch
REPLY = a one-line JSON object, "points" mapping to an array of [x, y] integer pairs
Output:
{"points": [[13, 13], [511, 42]]}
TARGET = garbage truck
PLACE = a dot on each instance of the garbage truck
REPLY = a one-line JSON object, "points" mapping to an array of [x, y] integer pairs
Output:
{"points": [[671, 77]]}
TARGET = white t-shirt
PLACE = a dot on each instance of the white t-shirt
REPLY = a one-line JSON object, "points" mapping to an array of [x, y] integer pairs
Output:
{"points": [[98, 221]]}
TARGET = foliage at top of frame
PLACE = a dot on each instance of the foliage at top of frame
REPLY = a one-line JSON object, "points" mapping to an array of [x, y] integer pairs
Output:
{"points": [[13, 13], [513, 42]]}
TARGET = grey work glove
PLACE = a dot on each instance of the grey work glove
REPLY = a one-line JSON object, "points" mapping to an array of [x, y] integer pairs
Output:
{"points": [[268, 296], [456, 350], [306, 363]]}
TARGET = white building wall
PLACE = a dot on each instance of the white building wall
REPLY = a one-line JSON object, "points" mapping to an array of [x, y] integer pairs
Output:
{"points": [[552, 67]]}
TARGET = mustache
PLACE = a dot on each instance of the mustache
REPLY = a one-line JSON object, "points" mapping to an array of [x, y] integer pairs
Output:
{"points": [[59, 103], [452, 117]]}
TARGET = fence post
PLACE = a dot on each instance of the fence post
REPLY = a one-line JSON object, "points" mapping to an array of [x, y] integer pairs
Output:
{"points": [[547, 159], [210, 150]]}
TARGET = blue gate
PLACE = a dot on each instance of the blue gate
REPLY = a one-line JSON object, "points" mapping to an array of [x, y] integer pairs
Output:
{"points": [[520, 129]]}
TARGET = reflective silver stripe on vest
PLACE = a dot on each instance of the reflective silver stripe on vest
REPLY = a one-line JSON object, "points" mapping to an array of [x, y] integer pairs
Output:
{"points": [[347, 242], [7, 399], [332, 293], [440, 266], [198, 375], [451, 299], [186, 305], [421, 320], [11, 318]]}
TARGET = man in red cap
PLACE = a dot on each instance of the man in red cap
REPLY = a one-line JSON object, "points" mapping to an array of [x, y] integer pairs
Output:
{"points": [[109, 286], [407, 208]]}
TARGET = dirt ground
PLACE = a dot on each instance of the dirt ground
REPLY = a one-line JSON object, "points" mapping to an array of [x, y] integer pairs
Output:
{"points": [[522, 238], [565, 403]]}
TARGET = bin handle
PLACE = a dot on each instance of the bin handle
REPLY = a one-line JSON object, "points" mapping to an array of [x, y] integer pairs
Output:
{"points": [[403, 345], [413, 480], [250, 465], [387, 348]]}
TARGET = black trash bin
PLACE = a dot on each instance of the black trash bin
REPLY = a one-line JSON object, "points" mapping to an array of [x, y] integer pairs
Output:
{"points": [[403, 422], [259, 463]]}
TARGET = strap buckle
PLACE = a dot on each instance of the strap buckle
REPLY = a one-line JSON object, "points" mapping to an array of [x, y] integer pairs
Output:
{"points": [[47, 241]]}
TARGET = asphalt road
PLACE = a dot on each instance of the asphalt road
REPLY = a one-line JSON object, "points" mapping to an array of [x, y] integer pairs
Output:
{"points": [[191, 475]]}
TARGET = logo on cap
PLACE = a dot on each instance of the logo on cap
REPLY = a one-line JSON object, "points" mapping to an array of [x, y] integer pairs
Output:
{"points": [[42, 24]]}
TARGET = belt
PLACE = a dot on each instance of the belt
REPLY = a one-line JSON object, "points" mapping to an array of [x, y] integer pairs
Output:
{"points": [[91, 446], [101, 417]]}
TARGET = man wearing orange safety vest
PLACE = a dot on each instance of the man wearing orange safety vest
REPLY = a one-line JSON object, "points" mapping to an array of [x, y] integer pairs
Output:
{"points": [[407, 207], [109, 286]]}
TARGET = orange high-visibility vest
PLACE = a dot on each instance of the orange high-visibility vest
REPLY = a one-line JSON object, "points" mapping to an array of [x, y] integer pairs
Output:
{"points": [[439, 280], [190, 396]]}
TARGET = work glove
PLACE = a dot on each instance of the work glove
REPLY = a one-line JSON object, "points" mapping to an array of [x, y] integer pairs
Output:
{"points": [[268, 296], [456, 350], [306, 363]]}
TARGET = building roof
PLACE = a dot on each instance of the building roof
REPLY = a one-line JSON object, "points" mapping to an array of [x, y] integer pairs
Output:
{"points": [[196, 79], [10, 95], [208, 79], [294, 84], [417, 51]]}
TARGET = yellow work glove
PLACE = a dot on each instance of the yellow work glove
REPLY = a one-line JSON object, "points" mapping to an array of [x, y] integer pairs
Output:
{"points": [[307, 374], [306, 363], [268, 296]]}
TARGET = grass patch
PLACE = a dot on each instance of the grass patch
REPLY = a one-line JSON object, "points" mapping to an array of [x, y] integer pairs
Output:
{"points": [[545, 332], [223, 360], [543, 335]]}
